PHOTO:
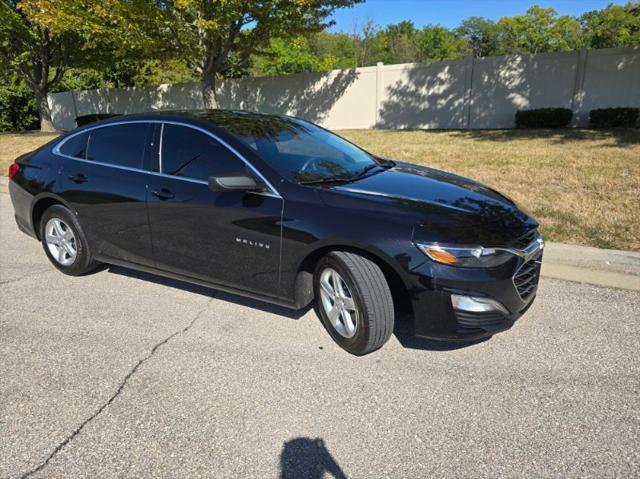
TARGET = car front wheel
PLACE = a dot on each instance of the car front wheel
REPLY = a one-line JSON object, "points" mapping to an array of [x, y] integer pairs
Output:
{"points": [[354, 301]]}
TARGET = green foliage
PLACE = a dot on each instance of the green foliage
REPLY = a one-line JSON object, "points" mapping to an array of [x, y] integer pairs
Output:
{"points": [[614, 26], [539, 30], [222, 36], [481, 35], [108, 29], [543, 118], [293, 56], [75, 44], [400, 43], [614, 117], [369, 45], [437, 43], [18, 111]]}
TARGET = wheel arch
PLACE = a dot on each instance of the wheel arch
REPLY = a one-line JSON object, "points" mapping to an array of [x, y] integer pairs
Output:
{"points": [[40, 204], [306, 268]]}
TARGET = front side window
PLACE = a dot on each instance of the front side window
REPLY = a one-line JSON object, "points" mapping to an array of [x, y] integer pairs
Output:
{"points": [[189, 153], [121, 145], [76, 146]]}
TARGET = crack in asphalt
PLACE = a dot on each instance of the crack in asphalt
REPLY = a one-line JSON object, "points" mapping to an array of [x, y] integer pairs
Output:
{"points": [[121, 387]]}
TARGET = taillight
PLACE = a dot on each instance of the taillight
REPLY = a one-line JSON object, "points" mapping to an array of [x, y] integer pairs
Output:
{"points": [[13, 169]]}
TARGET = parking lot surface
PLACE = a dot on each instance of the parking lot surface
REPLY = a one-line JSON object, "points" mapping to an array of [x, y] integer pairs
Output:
{"points": [[123, 374]]}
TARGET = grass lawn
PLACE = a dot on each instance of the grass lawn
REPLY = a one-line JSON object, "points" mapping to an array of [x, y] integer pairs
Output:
{"points": [[13, 145], [582, 185]]}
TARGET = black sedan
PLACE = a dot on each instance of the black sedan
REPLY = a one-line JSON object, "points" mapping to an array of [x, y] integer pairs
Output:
{"points": [[279, 209]]}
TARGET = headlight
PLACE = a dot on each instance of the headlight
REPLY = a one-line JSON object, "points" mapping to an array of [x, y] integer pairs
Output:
{"points": [[473, 257]]}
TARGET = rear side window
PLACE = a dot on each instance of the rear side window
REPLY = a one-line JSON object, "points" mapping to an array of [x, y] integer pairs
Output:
{"points": [[121, 145], [76, 146], [189, 153]]}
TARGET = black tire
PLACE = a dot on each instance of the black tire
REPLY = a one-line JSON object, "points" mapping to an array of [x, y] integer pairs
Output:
{"points": [[84, 262], [371, 294]]}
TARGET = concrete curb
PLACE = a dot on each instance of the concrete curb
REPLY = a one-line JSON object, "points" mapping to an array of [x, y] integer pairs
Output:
{"points": [[583, 264]]}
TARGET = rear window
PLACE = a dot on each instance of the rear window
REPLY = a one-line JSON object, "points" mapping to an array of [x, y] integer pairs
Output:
{"points": [[76, 146], [121, 145]]}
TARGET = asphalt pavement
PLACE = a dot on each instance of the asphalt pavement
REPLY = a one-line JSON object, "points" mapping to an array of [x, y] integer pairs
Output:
{"points": [[123, 374]]}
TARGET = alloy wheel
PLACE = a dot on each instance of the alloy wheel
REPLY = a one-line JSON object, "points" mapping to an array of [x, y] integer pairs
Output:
{"points": [[338, 303], [61, 241]]}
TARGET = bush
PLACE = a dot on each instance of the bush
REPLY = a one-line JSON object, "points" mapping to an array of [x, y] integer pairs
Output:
{"points": [[614, 117], [18, 111], [543, 118], [86, 119]]}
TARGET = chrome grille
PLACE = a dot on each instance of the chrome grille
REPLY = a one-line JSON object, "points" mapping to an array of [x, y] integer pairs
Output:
{"points": [[526, 239], [526, 278]]}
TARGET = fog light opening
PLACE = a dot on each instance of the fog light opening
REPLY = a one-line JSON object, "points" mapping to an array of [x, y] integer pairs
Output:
{"points": [[471, 304]]}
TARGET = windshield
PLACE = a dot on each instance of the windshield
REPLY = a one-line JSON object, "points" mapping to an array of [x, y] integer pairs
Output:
{"points": [[299, 151]]}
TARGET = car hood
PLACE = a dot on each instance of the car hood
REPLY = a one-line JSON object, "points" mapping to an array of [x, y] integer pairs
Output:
{"points": [[446, 207]]}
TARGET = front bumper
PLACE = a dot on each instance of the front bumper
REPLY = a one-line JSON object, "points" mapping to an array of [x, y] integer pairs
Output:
{"points": [[512, 285]]}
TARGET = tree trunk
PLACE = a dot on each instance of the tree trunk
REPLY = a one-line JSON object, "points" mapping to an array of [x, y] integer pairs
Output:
{"points": [[46, 124], [209, 90]]}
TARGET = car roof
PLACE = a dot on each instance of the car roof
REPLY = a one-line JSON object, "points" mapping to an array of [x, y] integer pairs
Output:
{"points": [[229, 122], [215, 117]]}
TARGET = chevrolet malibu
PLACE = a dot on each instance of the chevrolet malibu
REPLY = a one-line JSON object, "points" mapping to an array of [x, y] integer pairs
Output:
{"points": [[281, 210]]}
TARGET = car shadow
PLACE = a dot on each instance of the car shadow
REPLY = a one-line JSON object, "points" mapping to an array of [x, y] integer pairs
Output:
{"points": [[403, 329], [206, 291]]}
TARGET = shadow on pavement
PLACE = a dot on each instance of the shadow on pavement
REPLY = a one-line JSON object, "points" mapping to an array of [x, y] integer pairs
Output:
{"points": [[403, 331], [205, 291], [307, 458], [403, 328], [616, 137]]}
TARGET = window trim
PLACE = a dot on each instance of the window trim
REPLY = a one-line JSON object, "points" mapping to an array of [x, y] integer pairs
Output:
{"points": [[56, 151], [62, 142], [86, 158]]}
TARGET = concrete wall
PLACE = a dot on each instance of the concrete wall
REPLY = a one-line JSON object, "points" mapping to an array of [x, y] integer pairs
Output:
{"points": [[611, 78], [467, 93], [503, 85]]}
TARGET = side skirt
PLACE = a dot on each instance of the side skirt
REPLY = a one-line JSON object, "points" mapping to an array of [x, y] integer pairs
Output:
{"points": [[290, 304]]}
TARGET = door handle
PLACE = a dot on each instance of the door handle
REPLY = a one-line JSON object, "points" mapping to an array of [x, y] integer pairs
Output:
{"points": [[163, 194], [78, 178]]}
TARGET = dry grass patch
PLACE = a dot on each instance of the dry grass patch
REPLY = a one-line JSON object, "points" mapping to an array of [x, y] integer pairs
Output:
{"points": [[582, 185], [13, 145]]}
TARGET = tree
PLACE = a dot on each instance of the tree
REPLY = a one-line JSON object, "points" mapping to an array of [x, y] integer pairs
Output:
{"points": [[38, 57], [224, 34], [367, 44], [615, 26], [539, 30], [286, 57], [338, 47], [480, 34], [400, 41], [439, 43], [41, 39]]}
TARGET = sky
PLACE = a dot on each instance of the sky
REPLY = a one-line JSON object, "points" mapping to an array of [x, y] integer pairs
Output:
{"points": [[450, 13]]}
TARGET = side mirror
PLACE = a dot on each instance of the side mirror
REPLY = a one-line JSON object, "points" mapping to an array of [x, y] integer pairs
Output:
{"points": [[232, 183]]}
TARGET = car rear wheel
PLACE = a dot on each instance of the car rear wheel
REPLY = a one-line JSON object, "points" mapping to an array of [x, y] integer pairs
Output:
{"points": [[353, 301], [64, 242]]}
